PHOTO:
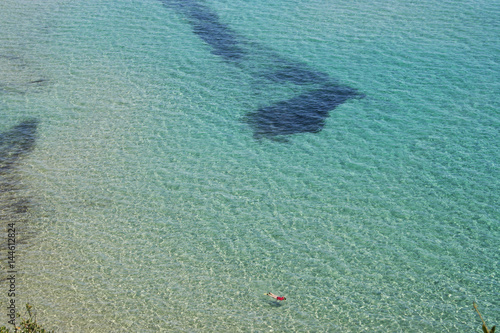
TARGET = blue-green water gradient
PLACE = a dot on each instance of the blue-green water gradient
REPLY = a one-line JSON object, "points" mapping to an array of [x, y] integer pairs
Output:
{"points": [[155, 209]]}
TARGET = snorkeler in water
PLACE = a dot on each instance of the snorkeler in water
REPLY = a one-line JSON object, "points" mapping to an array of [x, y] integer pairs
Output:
{"points": [[278, 298]]}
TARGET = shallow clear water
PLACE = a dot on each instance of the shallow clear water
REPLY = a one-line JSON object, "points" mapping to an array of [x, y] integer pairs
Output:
{"points": [[155, 208]]}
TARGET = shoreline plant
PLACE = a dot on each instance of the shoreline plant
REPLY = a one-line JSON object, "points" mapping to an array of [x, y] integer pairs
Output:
{"points": [[485, 328], [27, 325]]}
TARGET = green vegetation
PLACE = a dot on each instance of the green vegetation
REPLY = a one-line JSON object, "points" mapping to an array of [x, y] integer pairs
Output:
{"points": [[27, 325], [485, 328]]}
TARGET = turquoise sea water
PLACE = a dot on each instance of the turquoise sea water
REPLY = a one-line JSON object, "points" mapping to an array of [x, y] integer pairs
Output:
{"points": [[152, 206]]}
